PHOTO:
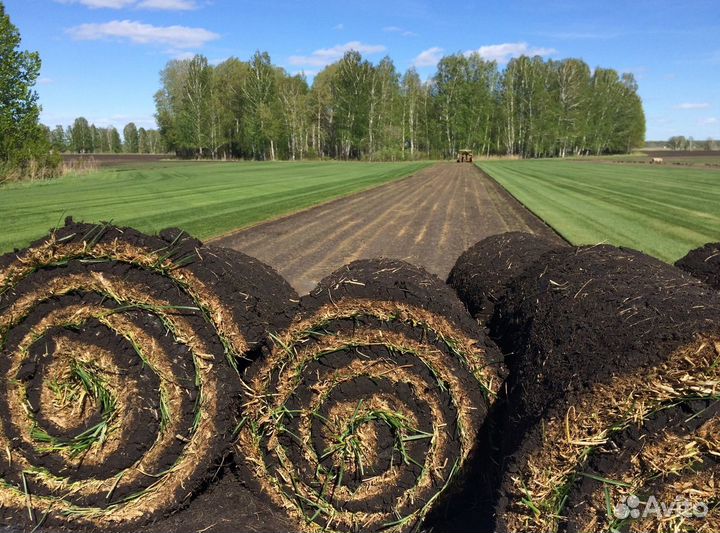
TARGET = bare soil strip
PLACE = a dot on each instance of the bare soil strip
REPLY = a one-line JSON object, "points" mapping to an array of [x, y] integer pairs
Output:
{"points": [[428, 219]]}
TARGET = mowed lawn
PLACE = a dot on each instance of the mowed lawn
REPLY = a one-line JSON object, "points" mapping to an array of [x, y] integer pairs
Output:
{"points": [[205, 199], [663, 211]]}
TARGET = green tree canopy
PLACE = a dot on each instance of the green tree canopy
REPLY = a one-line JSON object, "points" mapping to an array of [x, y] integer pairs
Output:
{"points": [[81, 138], [132, 138], [22, 139], [355, 109]]}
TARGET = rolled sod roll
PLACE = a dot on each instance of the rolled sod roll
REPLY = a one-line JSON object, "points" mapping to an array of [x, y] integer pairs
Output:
{"points": [[482, 271], [703, 263], [119, 388], [365, 412], [256, 295], [613, 396]]}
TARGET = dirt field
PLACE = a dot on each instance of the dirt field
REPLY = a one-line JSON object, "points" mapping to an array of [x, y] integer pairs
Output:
{"points": [[705, 159], [682, 153], [428, 219]]}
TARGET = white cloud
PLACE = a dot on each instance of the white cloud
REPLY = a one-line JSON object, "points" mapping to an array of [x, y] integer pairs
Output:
{"points": [[164, 5], [708, 121], [178, 37], [339, 27], [180, 55], [325, 56], [693, 105], [45, 81], [168, 5], [401, 31], [502, 53], [429, 57], [98, 4]]}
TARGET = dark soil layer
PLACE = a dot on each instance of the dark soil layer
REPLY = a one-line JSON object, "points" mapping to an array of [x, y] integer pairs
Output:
{"points": [[260, 299], [703, 263], [257, 298], [392, 280], [222, 505], [582, 317], [482, 271], [380, 281], [227, 506]]}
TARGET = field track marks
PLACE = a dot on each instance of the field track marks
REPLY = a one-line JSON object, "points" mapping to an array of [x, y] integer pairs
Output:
{"points": [[428, 219]]}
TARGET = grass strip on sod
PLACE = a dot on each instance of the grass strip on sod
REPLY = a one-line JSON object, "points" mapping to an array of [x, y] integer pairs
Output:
{"points": [[119, 364], [613, 394], [364, 415], [661, 211], [204, 199]]}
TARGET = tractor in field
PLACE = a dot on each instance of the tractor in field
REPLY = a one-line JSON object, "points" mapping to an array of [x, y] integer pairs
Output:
{"points": [[464, 156]]}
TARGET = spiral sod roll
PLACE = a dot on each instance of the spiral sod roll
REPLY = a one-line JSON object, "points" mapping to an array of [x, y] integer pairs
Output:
{"points": [[703, 263], [612, 417], [365, 411], [482, 271], [119, 391]]}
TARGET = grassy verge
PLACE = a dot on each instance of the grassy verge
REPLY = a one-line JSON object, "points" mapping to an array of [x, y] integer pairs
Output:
{"points": [[205, 199], [662, 211]]}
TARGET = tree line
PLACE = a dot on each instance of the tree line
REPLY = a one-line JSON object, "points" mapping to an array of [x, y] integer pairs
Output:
{"points": [[680, 142], [30, 150], [24, 150], [355, 109], [84, 138]]}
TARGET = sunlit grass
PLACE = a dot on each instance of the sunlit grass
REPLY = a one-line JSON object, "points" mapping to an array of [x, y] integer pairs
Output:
{"points": [[662, 211], [204, 199]]}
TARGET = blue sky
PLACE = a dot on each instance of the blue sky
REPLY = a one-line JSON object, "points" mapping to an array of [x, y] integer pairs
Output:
{"points": [[102, 58]]}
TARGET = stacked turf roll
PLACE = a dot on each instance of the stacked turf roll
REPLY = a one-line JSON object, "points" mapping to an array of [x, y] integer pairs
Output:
{"points": [[119, 390], [482, 271], [703, 263], [613, 395], [365, 412]]}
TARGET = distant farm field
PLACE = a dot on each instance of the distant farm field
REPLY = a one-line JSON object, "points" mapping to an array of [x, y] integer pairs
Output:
{"points": [[686, 158], [663, 211], [205, 199]]}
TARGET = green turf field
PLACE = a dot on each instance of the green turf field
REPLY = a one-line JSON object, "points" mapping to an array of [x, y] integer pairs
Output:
{"points": [[205, 199], [662, 211]]}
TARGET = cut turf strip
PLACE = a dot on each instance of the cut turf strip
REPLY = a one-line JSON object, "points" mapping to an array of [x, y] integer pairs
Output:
{"points": [[703, 263], [365, 412], [482, 271], [613, 397], [119, 360]]}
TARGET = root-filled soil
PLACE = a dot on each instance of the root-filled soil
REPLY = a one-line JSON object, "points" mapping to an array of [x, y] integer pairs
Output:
{"points": [[120, 360], [365, 413], [703, 263], [482, 271], [612, 392]]}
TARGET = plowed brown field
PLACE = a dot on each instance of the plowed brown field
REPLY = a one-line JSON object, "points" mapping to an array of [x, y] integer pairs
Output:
{"points": [[428, 219]]}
